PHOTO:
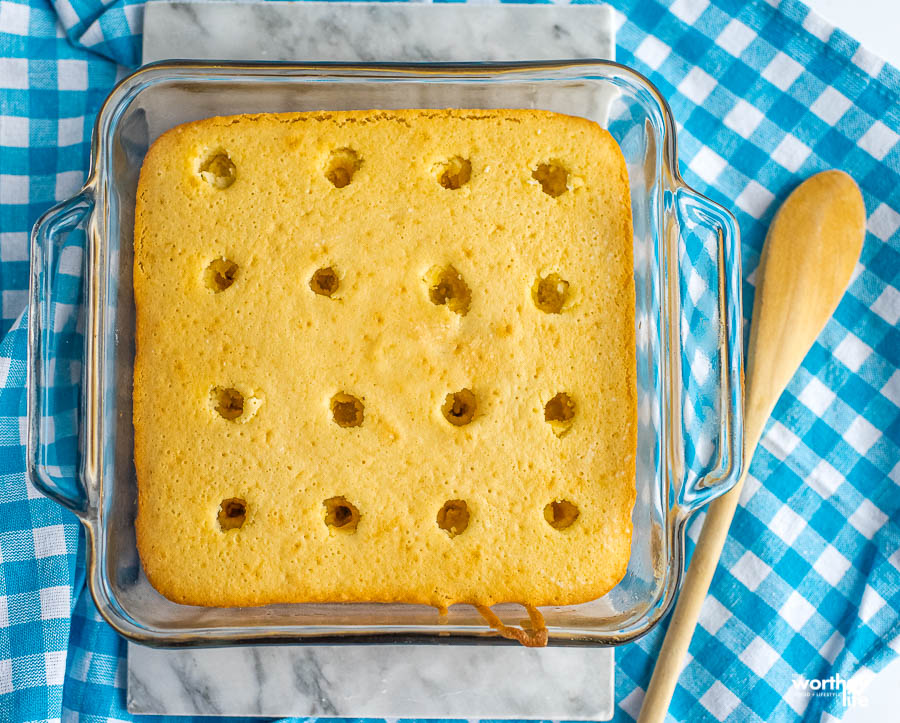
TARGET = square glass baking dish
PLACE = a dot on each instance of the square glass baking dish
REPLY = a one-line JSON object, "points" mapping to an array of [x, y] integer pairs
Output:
{"points": [[81, 341]]}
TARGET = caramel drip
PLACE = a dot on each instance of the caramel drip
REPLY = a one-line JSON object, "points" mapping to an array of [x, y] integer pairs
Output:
{"points": [[536, 639]]}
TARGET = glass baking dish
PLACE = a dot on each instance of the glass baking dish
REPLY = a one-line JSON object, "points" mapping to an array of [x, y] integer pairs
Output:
{"points": [[81, 341]]}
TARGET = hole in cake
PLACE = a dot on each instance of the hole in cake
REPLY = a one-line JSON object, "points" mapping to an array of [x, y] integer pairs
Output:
{"points": [[455, 173], [220, 274], [324, 281], [559, 412], [346, 410], [550, 293], [342, 164], [232, 513], [453, 517], [554, 179], [218, 170], [446, 287], [560, 514], [340, 514], [229, 403], [459, 407]]}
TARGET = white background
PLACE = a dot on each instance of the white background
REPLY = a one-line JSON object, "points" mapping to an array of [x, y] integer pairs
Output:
{"points": [[876, 24]]}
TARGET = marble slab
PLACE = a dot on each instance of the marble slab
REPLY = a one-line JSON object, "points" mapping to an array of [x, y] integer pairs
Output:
{"points": [[390, 681], [385, 32], [387, 681]]}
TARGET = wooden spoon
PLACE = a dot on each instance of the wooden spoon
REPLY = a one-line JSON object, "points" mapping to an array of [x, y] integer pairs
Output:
{"points": [[808, 257]]}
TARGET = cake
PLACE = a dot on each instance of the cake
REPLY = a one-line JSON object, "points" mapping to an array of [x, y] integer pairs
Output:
{"points": [[384, 356]]}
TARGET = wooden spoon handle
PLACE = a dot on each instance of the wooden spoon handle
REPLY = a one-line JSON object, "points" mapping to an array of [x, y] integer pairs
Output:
{"points": [[696, 583]]}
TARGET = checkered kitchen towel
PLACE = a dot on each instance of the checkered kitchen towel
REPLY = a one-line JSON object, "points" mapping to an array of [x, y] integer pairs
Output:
{"points": [[765, 95]]}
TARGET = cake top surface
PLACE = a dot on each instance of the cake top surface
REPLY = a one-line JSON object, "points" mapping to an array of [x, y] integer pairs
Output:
{"points": [[385, 356]]}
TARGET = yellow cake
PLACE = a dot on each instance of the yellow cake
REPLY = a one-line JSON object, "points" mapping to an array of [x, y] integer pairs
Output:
{"points": [[385, 356]]}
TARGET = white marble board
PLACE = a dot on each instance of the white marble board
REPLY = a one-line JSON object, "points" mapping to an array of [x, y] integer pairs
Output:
{"points": [[375, 681], [391, 681], [382, 32]]}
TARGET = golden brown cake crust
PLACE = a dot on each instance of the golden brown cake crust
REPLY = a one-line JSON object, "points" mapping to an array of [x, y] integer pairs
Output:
{"points": [[436, 244]]}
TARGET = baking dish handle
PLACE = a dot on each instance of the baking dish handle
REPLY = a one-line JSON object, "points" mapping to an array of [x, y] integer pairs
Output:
{"points": [[711, 349], [56, 351]]}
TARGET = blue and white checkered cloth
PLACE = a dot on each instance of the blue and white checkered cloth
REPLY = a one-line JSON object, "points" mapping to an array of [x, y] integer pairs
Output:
{"points": [[765, 95]]}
